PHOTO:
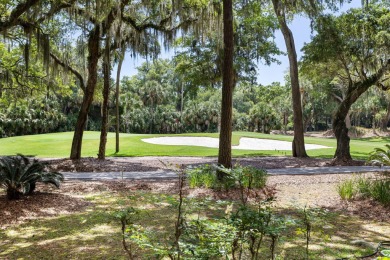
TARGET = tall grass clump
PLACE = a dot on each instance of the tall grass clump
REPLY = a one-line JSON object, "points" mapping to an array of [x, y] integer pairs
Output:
{"points": [[377, 189], [380, 191], [202, 176], [347, 190]]}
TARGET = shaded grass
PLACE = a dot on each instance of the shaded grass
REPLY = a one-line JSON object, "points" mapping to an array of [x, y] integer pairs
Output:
{"points": [[95, 233], [58, 145]]}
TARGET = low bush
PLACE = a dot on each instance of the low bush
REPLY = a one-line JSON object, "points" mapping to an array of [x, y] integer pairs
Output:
{"points": [[19, 175], [378, 189], [202, 176], [238, 176]]}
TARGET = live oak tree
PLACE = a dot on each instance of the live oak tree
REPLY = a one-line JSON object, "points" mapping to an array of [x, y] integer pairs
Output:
{"points": [[26, 25], [356, 46], [28, 28]]}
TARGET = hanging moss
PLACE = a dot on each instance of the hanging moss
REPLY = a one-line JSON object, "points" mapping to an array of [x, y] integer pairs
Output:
{"points": [[27, 55], [46, 52]]}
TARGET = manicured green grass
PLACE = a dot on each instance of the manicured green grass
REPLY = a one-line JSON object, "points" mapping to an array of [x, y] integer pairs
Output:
{"points": [[58, 145]]}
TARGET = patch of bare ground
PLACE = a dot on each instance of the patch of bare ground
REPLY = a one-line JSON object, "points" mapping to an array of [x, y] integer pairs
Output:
{"points": [[128, 164], [321, 191], [50, 202], [39, 204], [289, 191]]}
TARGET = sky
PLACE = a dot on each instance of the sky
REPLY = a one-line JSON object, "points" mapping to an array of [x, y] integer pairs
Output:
{"points": [[300, 28]]}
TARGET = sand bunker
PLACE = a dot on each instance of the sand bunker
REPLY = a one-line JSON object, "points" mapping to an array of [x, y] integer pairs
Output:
{"points": [[245, 143]]}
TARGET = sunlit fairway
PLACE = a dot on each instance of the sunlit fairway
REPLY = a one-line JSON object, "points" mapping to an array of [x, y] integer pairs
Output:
{"points": [[58, 145]]}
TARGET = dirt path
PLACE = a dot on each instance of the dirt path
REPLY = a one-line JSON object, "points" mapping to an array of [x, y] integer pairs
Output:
{"points": [[128, 164]]}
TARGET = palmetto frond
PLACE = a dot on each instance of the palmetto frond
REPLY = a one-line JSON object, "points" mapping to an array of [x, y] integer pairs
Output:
{"points": [[19, 174], [380, 156]]}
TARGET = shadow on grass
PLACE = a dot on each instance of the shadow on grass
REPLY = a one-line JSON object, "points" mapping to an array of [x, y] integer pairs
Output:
{"points": [[96, 232], [334, 236], [374, 139]]}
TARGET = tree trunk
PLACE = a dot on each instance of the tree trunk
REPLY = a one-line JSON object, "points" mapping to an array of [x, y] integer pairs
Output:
{"points": [[106, 92], [298, 144], [354, 91], [340, 128], [308, 121], [348, 120], [386, 119], [118, 76], [225, 135], [341, 132], [93, 58]]}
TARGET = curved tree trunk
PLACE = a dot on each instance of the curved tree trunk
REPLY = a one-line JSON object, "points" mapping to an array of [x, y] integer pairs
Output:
{"points": [[341, 131], [298, 144], [354, 91], [93, 58], [106, 92], [225, 135]]}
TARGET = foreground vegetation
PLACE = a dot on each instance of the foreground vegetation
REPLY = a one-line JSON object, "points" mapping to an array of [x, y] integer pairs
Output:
{"points": [[58, 145], [235, 218], [97, 231]]}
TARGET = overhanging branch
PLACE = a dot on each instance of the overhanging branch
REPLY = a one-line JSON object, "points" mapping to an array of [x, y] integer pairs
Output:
{"points": [[18, 11], [71, 69]]}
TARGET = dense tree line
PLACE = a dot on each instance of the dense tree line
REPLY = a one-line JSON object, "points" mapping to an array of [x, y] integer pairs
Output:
{"points": [[57, 57]]}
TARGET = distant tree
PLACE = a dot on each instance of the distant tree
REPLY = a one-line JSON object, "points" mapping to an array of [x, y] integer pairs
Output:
{"points": [[284, 10], [355, 46]]}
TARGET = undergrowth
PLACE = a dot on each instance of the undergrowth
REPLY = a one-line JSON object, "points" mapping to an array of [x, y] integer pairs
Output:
{"points": [[246, 176], [360, 187]]}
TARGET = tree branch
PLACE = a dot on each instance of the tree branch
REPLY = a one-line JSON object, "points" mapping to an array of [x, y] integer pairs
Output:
{"points": [[158, 27], [18, 11], [71, 69], [337, 98]]}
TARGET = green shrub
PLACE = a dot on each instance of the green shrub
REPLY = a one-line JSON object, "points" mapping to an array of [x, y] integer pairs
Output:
{"points": [[380, 191], [19, 175], [245, 176], [346, 189], [363, 187], [253, 177], [202, 176]]}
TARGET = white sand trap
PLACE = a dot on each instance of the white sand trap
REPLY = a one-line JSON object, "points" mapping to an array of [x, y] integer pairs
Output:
{"points": [[245, 143]]}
